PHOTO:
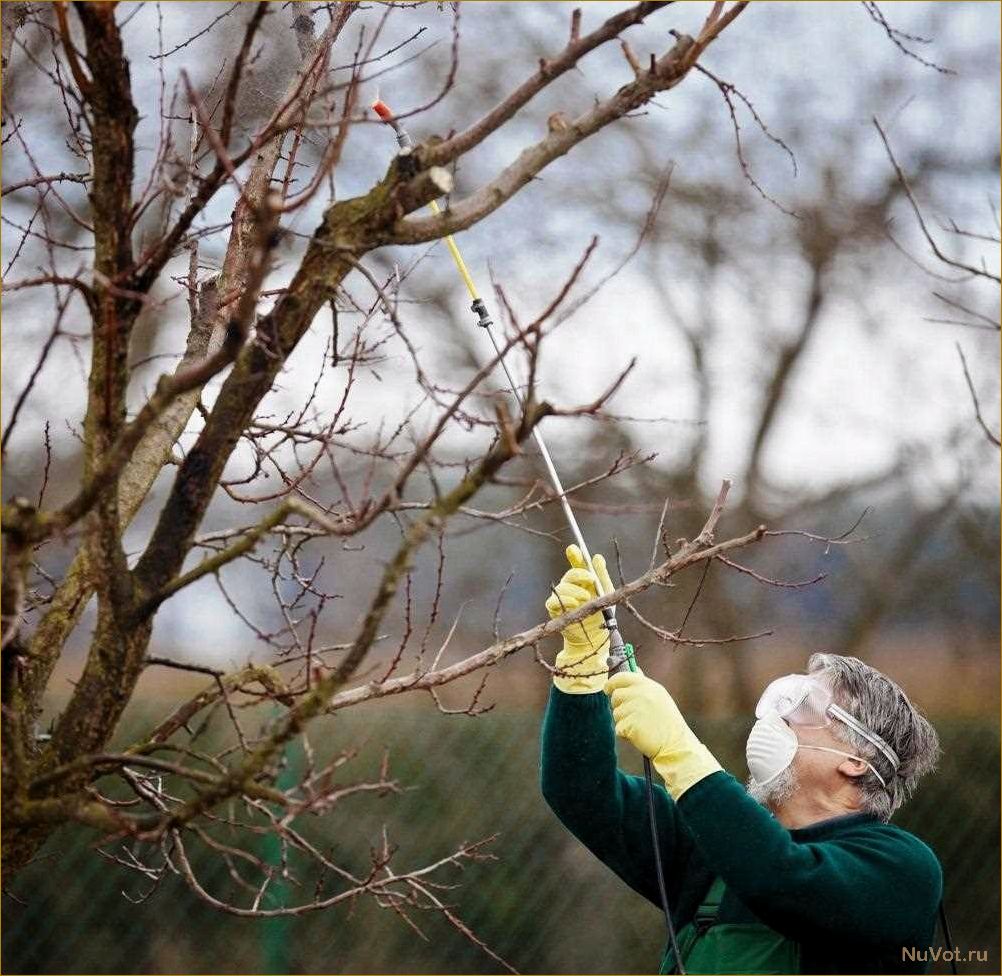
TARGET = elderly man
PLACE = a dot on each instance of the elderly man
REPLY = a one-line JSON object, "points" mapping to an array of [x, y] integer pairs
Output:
{"points": [[799, 873]]}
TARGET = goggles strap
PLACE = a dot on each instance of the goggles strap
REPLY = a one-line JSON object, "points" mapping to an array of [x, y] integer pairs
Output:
{"points": [[848, 755], [846, 719]]}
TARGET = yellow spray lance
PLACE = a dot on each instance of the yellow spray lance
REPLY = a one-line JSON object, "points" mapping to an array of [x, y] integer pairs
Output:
{"points": [[620, 654]]}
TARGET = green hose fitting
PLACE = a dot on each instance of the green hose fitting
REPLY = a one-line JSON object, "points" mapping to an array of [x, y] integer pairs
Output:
{"points": [[628, 653]]}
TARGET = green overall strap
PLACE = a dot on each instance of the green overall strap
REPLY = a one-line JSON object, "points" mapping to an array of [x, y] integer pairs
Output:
{"points": [[709, 909], [708, 945], [704, 918]]}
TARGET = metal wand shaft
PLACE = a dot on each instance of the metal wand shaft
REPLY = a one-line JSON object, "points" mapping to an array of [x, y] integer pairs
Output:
{"points": [[620, 655]]}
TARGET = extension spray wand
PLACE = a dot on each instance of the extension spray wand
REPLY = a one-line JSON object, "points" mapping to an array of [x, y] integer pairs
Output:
{"points": [[621, 654]]}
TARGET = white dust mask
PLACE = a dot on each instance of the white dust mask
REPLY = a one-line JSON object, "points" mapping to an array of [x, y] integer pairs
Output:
{"points": [[772, 744]]}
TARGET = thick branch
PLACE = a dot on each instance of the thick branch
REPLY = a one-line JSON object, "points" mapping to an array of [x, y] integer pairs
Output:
{"points": [[779, 383], [113, 121], [665, 74], [549, 70], [693, 552], [12, 18], [148, 459]]}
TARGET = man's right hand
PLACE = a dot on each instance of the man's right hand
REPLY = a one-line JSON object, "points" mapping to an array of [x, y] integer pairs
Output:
{"points": [[583, 662]]}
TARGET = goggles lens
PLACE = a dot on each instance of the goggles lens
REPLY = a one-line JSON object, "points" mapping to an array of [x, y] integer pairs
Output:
{"points": [[798, 699]]}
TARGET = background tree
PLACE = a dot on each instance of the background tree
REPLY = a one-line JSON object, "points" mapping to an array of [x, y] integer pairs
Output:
{"points": [[135, 239]]}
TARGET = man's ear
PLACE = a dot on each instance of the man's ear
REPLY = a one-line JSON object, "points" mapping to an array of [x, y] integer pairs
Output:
{"points": [[852, 768]]}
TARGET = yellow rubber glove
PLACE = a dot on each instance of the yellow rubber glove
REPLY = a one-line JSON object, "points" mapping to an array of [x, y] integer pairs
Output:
{"points": [[583, 661], [647, 716]]}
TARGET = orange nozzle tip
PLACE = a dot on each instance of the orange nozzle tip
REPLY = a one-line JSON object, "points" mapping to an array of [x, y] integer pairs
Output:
{"points": [[382, 110]]}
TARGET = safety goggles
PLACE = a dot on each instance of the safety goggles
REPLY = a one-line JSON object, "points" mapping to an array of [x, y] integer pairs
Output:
{"points": [[802, 699]]}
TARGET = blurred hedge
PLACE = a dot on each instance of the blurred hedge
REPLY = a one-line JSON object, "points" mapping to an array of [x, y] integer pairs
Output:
{"points": [[547, 906]]}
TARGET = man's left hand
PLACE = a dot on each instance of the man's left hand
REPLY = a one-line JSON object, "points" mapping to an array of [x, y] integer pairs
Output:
{"points": [[647, 716]]}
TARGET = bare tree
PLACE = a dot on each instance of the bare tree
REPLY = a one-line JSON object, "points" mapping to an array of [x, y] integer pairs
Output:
{"points": [[142, 229]]}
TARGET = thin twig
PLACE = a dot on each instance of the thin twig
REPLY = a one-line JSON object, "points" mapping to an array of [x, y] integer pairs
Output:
{"points": [[930, 240], [993, 438]]}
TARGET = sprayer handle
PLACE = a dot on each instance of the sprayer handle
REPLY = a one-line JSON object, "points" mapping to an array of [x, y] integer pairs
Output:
{"points": [[620, 653]]}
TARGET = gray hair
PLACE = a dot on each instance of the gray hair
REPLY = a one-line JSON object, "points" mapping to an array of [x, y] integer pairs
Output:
{"points": [[880, 705]]}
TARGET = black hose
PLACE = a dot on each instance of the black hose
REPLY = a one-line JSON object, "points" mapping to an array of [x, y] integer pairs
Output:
{"points": [[949, 939], [659, 867]]}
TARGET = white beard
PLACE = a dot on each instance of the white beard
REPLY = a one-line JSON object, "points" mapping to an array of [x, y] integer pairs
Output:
{"points": [[777, 791]]}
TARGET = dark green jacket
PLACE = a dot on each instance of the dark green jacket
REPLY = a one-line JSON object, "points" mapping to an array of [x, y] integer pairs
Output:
{"points": [[853, 891]]}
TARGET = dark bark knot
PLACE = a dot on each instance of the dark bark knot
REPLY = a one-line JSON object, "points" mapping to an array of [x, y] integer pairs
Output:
{"points": [[193, 474]]}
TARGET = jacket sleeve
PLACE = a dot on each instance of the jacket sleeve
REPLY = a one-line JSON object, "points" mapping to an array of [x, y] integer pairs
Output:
{"points": [[876, 884], [602, 806]]}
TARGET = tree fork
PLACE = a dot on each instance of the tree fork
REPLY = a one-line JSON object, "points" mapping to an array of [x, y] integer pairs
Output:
{"points": [[347, 232]]}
